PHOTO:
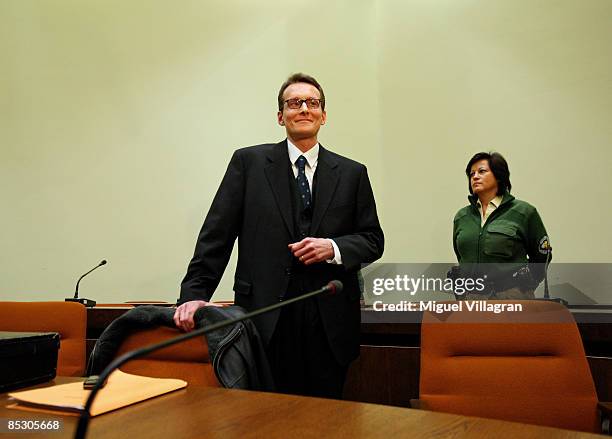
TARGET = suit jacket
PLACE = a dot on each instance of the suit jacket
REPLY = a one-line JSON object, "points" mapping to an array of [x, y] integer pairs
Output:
{"points": [[253, 204]]}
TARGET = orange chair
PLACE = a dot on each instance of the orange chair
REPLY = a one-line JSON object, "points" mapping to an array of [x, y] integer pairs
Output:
{"points": [[526, 366], [188, 360], [69, 319]]}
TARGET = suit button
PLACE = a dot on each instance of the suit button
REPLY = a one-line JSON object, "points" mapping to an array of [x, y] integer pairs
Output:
{"points": [[288, 271]]}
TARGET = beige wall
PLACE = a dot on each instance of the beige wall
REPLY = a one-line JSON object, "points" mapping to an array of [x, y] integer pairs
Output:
{"points": [[117, 120], [532, 80]]}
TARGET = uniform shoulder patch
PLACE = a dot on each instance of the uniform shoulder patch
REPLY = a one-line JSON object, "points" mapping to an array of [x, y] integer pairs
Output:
{"points": [[544, 245]]}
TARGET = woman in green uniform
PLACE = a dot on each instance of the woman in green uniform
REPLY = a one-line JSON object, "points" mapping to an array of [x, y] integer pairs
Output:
{"points": [[498, 235]]}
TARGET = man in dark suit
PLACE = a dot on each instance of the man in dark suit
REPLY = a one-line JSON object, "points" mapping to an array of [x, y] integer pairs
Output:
{"points": [[303, 216]]}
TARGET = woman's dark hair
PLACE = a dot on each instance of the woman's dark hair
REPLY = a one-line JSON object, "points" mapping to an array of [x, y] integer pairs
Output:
{"points": [[498, 166]]}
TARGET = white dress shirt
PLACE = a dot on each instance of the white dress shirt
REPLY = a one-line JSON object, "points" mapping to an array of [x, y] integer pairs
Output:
{"points": [[312, 159], [493, 204]]}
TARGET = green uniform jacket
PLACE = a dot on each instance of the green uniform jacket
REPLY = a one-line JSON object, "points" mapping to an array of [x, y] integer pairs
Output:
{"points": [[512, 235]]}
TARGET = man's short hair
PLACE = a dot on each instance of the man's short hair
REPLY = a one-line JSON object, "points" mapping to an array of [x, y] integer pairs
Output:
{"points": [[294, 79], [498, 166]]}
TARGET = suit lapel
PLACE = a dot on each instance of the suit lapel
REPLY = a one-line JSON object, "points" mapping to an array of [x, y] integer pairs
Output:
{"points": [[327, 181], [277, 172]]}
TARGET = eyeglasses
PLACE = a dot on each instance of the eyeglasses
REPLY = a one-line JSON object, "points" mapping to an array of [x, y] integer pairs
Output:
{"points": [[296, 104]]}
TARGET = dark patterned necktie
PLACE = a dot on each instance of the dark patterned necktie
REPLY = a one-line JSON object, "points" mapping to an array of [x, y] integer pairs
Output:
{"points": [[302, 182]]}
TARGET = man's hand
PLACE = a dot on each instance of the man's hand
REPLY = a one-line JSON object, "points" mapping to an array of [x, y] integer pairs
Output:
{"points": [[183, 316], [312, 250]]}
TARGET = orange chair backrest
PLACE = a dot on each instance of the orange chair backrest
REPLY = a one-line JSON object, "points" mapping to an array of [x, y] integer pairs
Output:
{"points": [[69, 319], [527, 366], [188, 360]]}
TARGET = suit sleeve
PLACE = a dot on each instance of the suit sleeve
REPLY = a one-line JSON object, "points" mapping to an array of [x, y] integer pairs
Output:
{"points": [[216, 239], [367, 242]]}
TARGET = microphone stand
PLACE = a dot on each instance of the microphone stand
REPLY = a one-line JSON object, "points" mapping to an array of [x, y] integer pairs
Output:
{"points": [[87, 302], [546, 292], [546, 264], [333, 287]]}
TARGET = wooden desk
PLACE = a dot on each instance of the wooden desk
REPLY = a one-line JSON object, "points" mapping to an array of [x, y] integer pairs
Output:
{"points": [[209, 412]]}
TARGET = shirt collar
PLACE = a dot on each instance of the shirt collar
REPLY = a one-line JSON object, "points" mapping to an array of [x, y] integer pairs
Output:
{"points": [[495, 201], [311, 156]]}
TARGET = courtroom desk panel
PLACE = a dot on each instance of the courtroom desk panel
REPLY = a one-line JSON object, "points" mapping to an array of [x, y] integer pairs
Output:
{"points": [[601, 370], [596, 337], [98, 318], [595, 327], [384, 375], [404, 328]]}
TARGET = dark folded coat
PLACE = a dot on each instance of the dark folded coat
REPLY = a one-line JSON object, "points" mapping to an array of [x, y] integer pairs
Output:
{"points": [[236, 351]]}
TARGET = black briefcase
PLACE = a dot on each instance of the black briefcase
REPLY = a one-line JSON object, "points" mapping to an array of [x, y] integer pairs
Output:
{"points": [[27, 358]]}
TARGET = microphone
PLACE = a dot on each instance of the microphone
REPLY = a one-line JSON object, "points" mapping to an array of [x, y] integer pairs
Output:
{"points": [[333, 287], [546, 292], [546, 264], [86, 302]]}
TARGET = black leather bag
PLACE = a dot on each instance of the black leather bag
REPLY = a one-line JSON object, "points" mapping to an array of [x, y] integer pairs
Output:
{"points": [[27, 358]]}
